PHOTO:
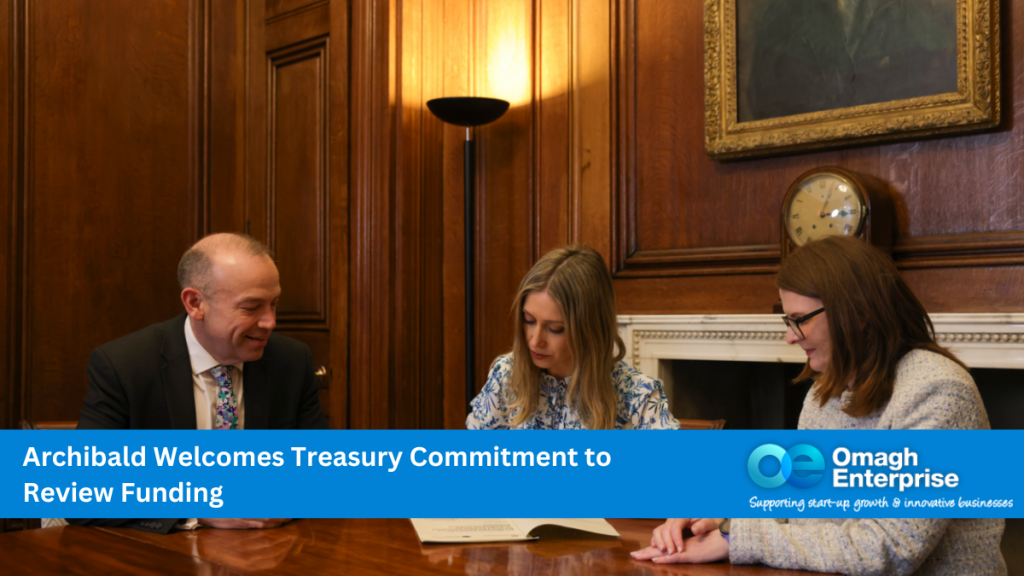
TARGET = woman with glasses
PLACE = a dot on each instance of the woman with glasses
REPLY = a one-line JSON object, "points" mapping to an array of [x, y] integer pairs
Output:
{"points": [[565, 370], [872, 353]]}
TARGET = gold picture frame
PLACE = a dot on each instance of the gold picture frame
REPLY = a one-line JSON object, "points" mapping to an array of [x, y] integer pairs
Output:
{"points": [[973, 106]]}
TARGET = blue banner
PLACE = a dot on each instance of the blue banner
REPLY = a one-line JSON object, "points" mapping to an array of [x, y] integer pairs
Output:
{"points": [[564, 474]]}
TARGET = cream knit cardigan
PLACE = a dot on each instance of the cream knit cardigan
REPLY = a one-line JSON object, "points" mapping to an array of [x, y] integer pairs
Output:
{"points": [[931, 392]]}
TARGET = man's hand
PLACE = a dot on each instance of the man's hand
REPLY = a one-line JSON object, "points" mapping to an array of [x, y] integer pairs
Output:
{"points": [[242, 523]]}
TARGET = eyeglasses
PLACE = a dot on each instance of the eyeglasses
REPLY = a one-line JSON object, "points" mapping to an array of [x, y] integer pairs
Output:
{"points": [[795, 323]]}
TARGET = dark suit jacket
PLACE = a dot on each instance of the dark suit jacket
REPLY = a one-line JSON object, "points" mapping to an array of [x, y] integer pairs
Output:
{"points": [[144, 380]]}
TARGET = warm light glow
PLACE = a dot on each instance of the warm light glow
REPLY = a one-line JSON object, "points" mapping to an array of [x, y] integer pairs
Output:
{"points": [[508, 63]]}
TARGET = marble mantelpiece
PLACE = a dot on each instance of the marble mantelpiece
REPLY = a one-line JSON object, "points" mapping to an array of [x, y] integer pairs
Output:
{"points": [[980, 340]]}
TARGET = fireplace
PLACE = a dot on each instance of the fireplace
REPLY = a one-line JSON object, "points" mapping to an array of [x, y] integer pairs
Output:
{"points": [[739, 367]]}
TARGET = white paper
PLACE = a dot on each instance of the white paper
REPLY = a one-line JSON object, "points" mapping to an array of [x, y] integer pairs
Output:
{"points": [[594, 525], [451, 530]]}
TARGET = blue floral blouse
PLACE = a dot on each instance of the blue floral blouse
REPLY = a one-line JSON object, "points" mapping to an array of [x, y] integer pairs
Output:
{"points": [[642, 403]]}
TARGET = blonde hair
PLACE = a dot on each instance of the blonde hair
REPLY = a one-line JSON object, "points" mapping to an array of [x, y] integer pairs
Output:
{"points": [[578, 281]]}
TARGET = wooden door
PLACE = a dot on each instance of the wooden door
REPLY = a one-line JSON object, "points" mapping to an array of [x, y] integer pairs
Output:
{"points": [[297, 172]]}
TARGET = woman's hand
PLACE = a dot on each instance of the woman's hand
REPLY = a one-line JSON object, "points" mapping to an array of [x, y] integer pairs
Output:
{"points": [[668, 538], [708, 546]]}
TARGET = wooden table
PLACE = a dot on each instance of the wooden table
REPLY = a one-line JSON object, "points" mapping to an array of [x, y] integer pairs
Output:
{"points": [[311, 547]]}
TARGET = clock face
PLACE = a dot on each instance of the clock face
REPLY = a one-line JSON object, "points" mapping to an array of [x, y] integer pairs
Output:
{"points": [[824, 204]]}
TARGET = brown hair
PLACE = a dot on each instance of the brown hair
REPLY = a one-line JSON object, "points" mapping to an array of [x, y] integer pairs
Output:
{"points": [[577, 279], [873, 318]]}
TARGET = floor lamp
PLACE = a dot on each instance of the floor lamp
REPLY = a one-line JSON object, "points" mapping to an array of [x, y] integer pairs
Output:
{"points": [[469, 112]]}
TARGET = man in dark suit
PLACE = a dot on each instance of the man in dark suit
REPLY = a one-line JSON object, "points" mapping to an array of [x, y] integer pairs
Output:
{"points": [[218, 366]]}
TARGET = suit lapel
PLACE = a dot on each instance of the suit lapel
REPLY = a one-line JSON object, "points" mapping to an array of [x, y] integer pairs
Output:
{"points": [[256, 394], [176, 374]]}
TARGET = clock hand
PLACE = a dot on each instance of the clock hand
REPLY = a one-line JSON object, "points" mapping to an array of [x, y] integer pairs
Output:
{"points": [[827, 196], [838, 212]]}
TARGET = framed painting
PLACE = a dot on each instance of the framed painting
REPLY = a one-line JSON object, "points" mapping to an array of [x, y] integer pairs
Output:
{"points": [[785, 76]]}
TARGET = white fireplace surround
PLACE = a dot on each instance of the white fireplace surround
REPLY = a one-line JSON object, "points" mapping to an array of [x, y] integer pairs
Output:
{"points": [[980, 340]]}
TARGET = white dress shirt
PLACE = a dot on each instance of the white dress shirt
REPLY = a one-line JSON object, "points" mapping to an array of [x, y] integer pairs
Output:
{"points": [[205, 386]]}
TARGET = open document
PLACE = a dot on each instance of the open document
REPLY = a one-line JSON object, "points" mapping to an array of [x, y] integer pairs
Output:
{"points": [[449, 530]]}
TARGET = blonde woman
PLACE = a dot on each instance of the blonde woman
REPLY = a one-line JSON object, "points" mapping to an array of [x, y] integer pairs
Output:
{"points": [[565, 371]]}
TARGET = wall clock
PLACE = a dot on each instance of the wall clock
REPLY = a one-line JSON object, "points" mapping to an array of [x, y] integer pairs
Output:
{"points": [[830, 201]]}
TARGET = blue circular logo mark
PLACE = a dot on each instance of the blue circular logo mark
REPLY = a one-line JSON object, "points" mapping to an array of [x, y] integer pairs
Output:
{"points": [[801, 466]]}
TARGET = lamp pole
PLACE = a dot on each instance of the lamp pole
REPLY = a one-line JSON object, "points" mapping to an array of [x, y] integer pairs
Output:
{"points": [[469, 112], [468, 171]]}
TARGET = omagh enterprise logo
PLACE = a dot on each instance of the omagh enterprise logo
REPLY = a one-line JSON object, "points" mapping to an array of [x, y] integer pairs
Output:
{"points": [[802, 466]]}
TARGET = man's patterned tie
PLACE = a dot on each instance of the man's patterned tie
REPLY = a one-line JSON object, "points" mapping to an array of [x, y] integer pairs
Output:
{"points": [[227, 404]]}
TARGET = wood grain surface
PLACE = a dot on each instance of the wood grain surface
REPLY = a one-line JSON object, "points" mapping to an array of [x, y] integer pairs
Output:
{"points": [[350, 546]]}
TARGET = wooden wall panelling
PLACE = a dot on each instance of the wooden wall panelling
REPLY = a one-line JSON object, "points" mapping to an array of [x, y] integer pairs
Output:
{"points": [[553, 73], [406, 322], [397, 210], [623, 156], [454, 37], [572, 192], [672, 216], [338, 213], [417, 323], [372, 134], [10, 135], [698, 294], [505, 171], [109, 204], [969, 289], [681, 215], [277, 8], [431, 243], [590, 85], [256, 123], [296, 97], [573, 152], [226, 146], [199, 54], [297, 196]]}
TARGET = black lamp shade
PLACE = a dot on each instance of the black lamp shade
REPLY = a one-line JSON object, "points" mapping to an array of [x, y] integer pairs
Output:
{"points": [[467, 110]]}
